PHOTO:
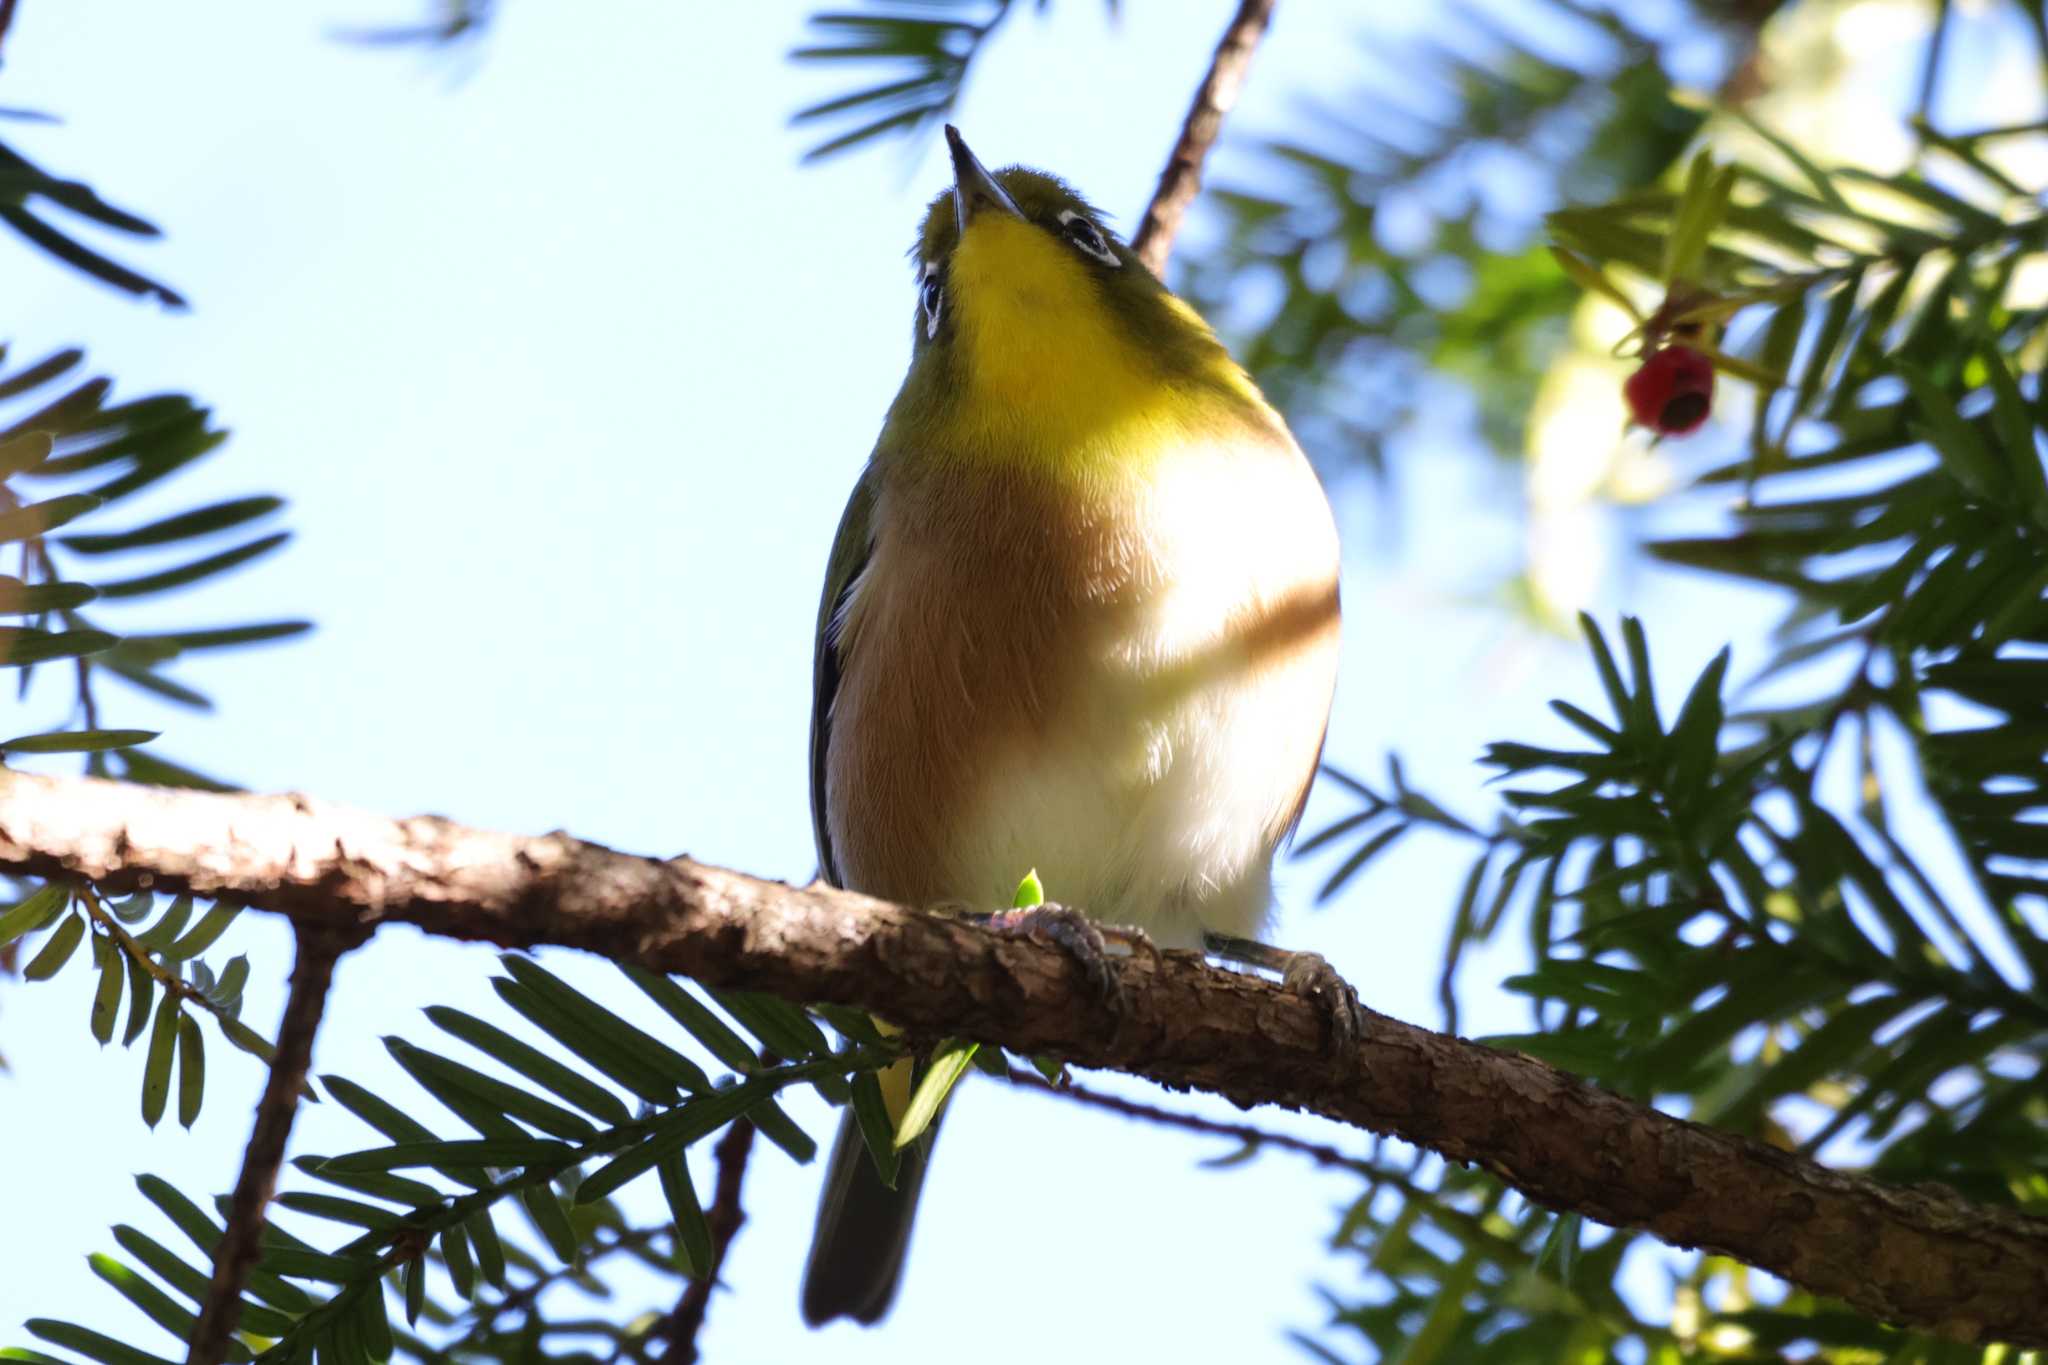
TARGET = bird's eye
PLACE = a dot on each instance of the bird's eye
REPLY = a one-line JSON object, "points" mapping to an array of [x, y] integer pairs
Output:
{"points": [[1087, 236], [932, 297]]}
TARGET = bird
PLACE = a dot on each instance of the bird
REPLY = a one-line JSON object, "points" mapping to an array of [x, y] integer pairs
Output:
{"points": [[1081, 616]]}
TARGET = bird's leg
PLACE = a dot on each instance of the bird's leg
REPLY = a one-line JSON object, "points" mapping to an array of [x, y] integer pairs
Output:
{"points": [[1308, 975], [1084, 940]]}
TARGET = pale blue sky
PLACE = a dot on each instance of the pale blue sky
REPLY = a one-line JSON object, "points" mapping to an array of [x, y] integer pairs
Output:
{"points": [[566, 365]]}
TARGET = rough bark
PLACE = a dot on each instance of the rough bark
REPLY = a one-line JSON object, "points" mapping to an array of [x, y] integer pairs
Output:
{"points": [[1915, 1256]]}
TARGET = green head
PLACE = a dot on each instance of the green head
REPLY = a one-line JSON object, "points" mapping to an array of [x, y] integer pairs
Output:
{"points": [[1041, 339]]}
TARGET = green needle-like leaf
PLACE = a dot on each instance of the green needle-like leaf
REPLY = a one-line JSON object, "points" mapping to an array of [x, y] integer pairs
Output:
{"points": [[25, 523], [141, 990], [455, 1256], [415, 1277], [191, 1070], [490, 1252], [202, 935], [632, 1163], [693, 1233], [20, 645], [156, 1070], [56, 950], [443, 1076], [373, 1326], [76, 741], [528, 1061], [90, 1344], [187, 1216], [871, 1111], [706, 1027], [186, 574], [551, 1221], [106, 997], [603, 1038], [204, 521], [37, 909], [949, 1062], [461, 1152], [160, 935], [247, 1039], [193, 1283]]}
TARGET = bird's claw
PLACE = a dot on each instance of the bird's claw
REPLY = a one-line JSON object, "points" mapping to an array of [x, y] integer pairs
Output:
{"points": [[1083, 940], [1310, 976]]}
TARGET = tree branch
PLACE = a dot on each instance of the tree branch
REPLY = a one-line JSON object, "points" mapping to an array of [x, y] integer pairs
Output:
{"points": [[1182, 178], [319, 946], [1918, 1256]]}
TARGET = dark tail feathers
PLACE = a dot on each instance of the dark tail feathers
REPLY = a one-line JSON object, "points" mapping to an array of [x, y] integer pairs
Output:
{"points": [[863, 1229]]}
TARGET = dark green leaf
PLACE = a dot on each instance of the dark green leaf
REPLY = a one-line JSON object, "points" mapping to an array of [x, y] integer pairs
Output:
{"points": [[106, 996], [632, 1163], [638, 1061], [204, 521], [160, 1308], [530, 1062], [415, 1278], [202, 935], [551, 1221], [56, 950], [160, 935], [198, 569], [25, 599], [703, 1025], [442, 1075], [76, 741], [190, 641], [193, 1283], [455, 1255], [141, 991], [88, 1342], [948, 1063], [20, 645], [156, 1070], [191, 1070], [463, 1152], [41, 906], [693, 1234], [490, 1252], [38, 518], [397, 1188]]}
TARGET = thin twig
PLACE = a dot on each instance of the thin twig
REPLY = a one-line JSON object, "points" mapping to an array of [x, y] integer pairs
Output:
{"points": [[725, 1218], [312, 974], [1182, 178], [1320, 1153]]}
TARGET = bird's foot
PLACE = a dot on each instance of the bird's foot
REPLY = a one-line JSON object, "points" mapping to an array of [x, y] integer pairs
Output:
{"points": [[1084, 940], [1308, 975]]}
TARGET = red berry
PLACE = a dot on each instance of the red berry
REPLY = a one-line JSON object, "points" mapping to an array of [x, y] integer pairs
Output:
{"points": [[1673, 391]]}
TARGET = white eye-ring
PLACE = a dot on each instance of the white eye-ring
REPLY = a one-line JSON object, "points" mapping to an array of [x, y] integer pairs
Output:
{"points": [[932, 297], [1087, 236]]}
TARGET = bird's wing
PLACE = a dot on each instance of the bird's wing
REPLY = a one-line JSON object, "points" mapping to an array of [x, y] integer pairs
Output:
{"points": [[850, 549]]}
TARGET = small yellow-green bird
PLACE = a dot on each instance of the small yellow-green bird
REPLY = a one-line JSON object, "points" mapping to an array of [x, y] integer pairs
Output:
{"points": [[1081, 616]]}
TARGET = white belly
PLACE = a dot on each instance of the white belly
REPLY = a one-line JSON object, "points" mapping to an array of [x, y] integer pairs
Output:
{"points": [[1159, 792]]}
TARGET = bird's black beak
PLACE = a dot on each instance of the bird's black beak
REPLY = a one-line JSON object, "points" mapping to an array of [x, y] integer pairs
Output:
{"points": [[974, 189]]}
